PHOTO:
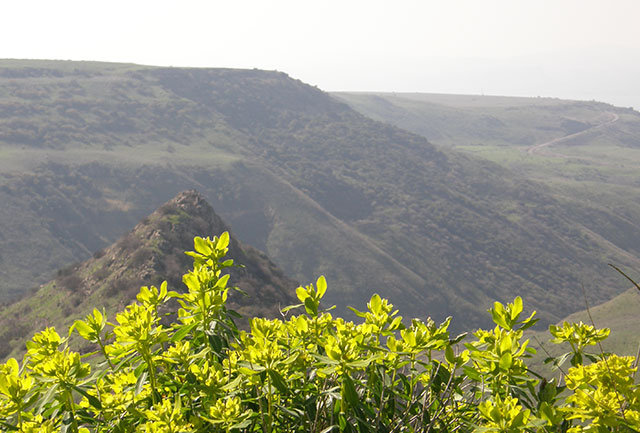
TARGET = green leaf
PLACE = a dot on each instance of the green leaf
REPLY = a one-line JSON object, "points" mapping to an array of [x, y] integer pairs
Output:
{"points": [[174, 294], [191, 281], [505, 361], [196, 256], [223, 241], [222, 282], [163, 290], [302, 293], [278, 381], [458, 338], [396, 324], [472, 373], [93, 401], [144, 294], [235, 314], [47, 398], [497, 313], [83, 329], [215, 343], [528, 323], [311, 306], [576, 359], [8, 426], [142, 379], [99, 318], [361, 363], [375, 304], [518, 420], [202, 246], [291, 359], [357, 313], [349, 391], [343, 422], [321, 286], [183, 332], [448, 354], [516, 309], [247, 371], [290, 307], [505, 344], [241, 425], [548, 392], [233, 384]]}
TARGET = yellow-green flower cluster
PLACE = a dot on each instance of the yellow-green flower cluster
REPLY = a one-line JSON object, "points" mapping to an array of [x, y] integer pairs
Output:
{"points": [[308, 372], [605, 394]]}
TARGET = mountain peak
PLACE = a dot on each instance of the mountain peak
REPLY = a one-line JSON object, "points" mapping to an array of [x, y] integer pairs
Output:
{"points": [[147, 255], [190, 201]]}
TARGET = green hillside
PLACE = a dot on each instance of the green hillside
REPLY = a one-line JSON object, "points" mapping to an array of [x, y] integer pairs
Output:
{"points": [[593, 168], [88, 149], [588, 153]]}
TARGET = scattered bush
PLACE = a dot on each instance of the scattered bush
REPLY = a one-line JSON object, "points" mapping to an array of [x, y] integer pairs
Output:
{"points": [[71, 282], [172, 270], [167, 209], [67, 270], [129, 243], [102, 273], [17, 331], [120, 285], [139, 257], [67, 310], [77, 299]]}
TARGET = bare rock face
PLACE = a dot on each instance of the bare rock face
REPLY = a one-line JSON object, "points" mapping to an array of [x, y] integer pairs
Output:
{"points": [[162, 238], [268, 288]]}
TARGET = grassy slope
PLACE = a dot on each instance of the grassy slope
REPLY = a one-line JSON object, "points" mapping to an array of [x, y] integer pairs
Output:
{"points": [[620, 315], [320, 188]]}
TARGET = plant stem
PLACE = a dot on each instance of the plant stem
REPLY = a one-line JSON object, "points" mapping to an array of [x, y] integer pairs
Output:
{"points": [[152, 373], [104, 353], [74, 422], [270, 403]]}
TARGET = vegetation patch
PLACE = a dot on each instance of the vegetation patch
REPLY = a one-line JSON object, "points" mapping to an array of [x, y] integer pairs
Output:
{"points": [[308, 372]]}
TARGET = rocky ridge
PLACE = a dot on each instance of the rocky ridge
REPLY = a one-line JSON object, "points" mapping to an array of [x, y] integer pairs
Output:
{"points": [[153, 251]]}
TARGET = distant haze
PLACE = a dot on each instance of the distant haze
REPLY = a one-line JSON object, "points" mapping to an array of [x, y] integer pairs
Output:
{"points": [[607, 76], [578, 49]]}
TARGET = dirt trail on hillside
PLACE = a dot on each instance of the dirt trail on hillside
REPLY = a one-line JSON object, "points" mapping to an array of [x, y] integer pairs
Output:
{"points": [[613, 117]]}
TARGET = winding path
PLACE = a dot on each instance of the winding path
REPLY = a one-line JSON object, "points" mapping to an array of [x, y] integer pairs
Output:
{"points": [[613, 117]]}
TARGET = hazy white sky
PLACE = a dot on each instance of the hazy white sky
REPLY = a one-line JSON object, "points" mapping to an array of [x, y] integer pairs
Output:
{"points": [[584, 49]]}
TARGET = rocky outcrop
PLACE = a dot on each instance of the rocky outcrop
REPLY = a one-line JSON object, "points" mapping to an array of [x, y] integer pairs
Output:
{"points": [[152, 252]]}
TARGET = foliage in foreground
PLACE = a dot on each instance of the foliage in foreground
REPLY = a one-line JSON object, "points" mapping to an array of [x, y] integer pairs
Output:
{"points": [[309, 373]]}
